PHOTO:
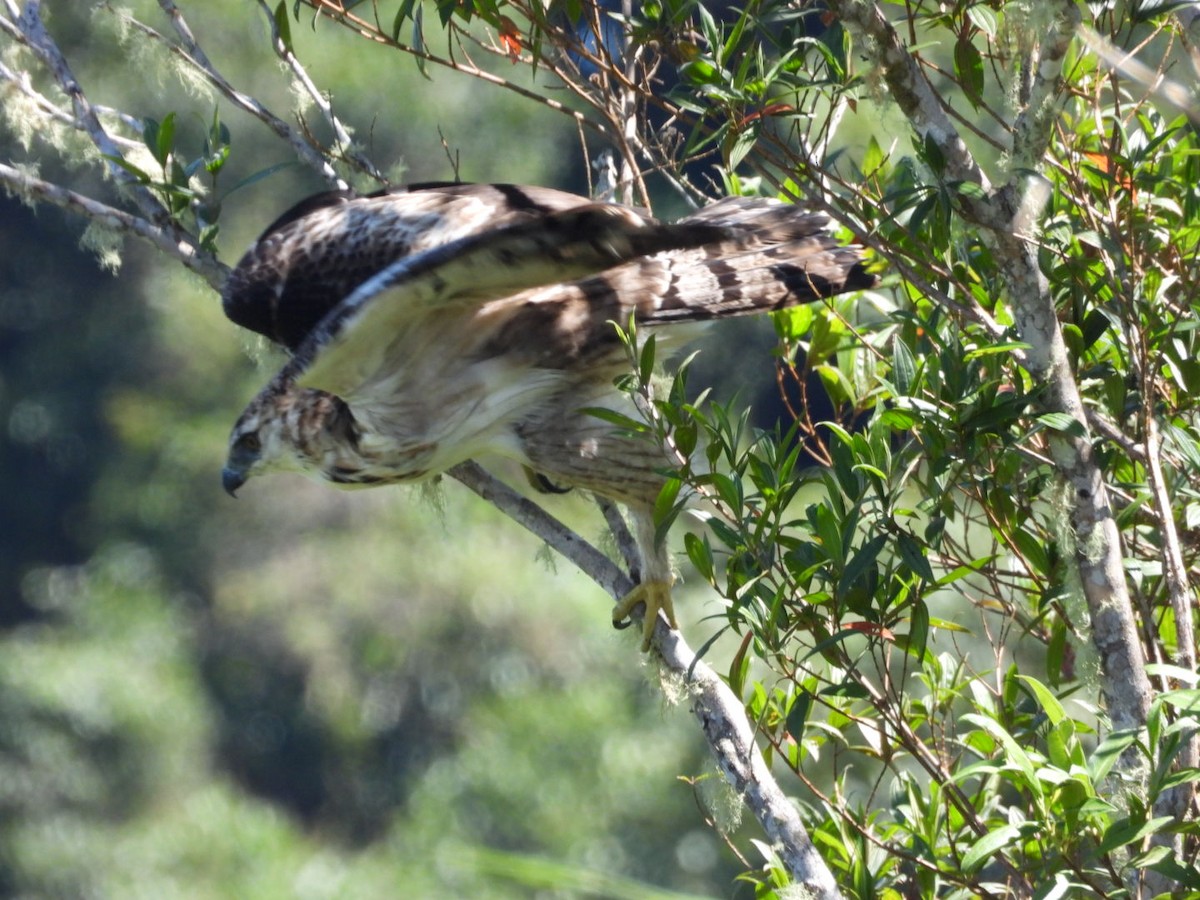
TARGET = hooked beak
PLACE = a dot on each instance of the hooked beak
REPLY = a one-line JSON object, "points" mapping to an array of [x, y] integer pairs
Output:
{"points": [[231, 480]]}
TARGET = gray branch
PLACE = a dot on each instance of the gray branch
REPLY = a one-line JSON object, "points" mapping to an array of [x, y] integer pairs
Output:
{"points": [[340, 132], [190, 51], [1008, 221], [38, 39], [30, 187], [721, 715]]}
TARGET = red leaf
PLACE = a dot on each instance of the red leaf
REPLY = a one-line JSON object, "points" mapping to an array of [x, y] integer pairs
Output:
{"points": [[871, 628], [510, 37]]}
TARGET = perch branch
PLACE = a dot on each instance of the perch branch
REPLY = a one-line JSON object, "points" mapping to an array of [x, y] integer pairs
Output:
{"points": [[721, 715]]}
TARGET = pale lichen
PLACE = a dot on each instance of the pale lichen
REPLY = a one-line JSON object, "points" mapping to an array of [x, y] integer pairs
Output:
{"points": [[105, 244], [723, 803]]}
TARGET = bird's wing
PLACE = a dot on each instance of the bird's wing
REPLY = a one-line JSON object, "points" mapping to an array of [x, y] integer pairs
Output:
{"points": [[454, 280], [774, 256], [309, 259]]}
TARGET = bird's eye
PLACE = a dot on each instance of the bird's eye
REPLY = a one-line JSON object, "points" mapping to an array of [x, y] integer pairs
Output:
{"points": [[250, 442]]}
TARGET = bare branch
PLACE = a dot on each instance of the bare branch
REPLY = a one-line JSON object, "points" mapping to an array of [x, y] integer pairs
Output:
{"points": [[341, 134], [722, 718], [40, 42], [721, 715], [195, 57], [167, 240]]}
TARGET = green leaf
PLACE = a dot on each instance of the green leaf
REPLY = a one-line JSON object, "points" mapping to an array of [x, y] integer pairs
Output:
{"points": [[405, 12], [150, 137], [861, 562], [910, 552], [1046, 699], [983, 18], [932, 154], [283, 25], [646, 361], [992, 349], [1109, 751], [918, 629], [700, 553], [258, 176], [1013, 751], [1063, 422], [968, 66], [1032, 551], [987, 846], [665, 509], [418, 42], [1130, 830], [615, 418], [164, 141], [904, 366], [798, 715], [794, 322], [873, 157], [121, 162], [1094, 326]]}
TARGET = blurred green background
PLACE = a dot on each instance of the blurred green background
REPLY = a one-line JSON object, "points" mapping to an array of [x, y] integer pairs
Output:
{"points": [[302, 693]]}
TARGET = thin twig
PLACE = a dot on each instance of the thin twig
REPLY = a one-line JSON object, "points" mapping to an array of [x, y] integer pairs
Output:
{"points": [[191, 53], [341, 133], [24, 185], [39, 41]]}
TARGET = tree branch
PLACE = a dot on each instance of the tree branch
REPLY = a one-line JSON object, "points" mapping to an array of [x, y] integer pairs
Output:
{"points": [[341, 133], [194, 56], [721, 715], [38, 39], [27, 186]]}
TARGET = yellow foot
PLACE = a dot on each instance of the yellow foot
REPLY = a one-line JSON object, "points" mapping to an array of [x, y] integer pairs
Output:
{"points": [[656, 595]]}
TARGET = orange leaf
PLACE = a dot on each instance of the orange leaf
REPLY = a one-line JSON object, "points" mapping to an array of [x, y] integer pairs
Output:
{"points": [[871, 628], [1105, 164], [510, 37], [769, 110]]}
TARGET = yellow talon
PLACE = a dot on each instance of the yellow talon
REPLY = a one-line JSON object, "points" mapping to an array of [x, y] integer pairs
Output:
{"points": [[656, 595]]}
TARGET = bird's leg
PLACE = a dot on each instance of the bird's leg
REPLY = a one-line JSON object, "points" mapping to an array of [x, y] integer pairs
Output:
{"points": [[656, 595], [655, 577]]}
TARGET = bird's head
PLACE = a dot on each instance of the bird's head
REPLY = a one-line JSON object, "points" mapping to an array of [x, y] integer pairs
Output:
{"points": [[257, 445], [287, 429]]}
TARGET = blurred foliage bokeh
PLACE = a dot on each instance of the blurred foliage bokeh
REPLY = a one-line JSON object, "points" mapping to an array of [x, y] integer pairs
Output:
{"points": [[302, 693]]}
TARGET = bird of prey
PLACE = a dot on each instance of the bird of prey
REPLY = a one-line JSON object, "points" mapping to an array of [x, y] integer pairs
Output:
{"points": [[438, 323]]}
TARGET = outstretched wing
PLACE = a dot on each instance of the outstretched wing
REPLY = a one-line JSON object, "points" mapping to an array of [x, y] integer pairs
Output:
{"points": [[362, 290], [773, 255], [312, 257], [454, 280]]}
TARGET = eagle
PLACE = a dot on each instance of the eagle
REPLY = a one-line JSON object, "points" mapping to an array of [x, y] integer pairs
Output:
{"points": [[438, 323]]}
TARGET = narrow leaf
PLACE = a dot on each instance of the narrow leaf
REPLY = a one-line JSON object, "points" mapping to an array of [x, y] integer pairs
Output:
{"points": [[283, 25], [988, 845]]}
